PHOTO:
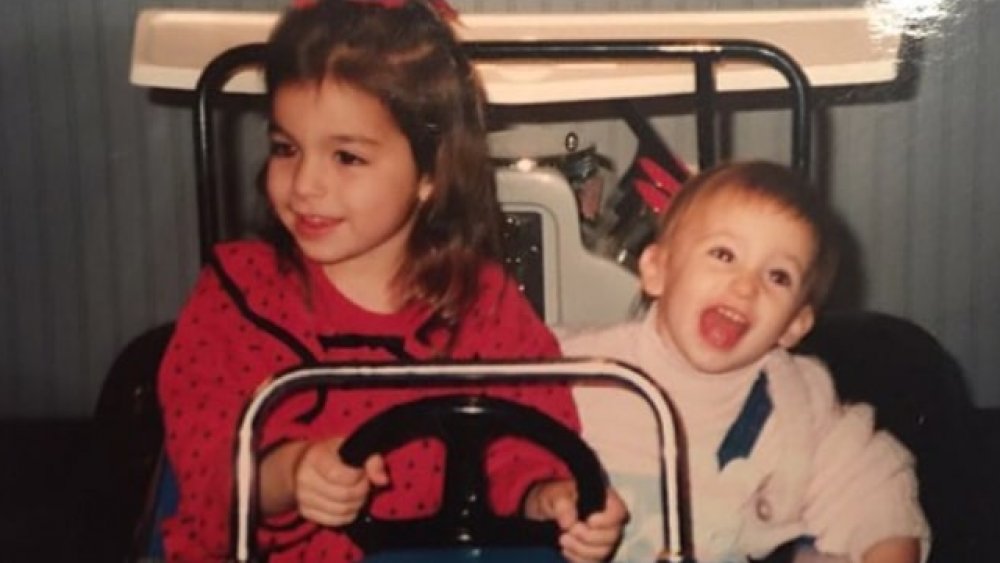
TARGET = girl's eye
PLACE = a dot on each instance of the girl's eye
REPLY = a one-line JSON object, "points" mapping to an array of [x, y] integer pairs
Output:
{"points": [[281, 149], [780, 277], [721, 253], [348, 158]]}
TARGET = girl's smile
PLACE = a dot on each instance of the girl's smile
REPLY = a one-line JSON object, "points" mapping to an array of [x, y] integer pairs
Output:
{"points": [[314, 227]]}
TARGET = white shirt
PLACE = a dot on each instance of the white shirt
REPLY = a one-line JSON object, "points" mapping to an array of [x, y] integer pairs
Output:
{"points": [[816, 469]]}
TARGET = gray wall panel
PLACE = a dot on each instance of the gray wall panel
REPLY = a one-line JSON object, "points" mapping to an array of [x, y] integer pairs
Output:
{"points": [[25, 258], [985, 260]]}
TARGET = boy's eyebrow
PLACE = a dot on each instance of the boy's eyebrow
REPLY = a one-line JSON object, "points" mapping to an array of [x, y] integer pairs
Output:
{"points": [[789, 256], [803, 269]]}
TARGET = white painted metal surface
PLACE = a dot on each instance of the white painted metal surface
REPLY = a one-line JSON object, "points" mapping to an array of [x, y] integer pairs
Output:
{"points": [[173, 45]]}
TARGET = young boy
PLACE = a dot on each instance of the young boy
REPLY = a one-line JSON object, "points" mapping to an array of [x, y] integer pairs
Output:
{"points": [[741, 264]]}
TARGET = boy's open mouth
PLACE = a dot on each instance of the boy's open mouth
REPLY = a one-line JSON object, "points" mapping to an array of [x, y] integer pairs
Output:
{"points": [[722, 327]]}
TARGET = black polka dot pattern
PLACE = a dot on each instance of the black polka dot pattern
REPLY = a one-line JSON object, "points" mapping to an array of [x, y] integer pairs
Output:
{"points": [[218, 358]]}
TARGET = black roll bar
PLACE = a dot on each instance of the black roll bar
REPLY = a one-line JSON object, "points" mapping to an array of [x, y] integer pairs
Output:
{"points": [[704, 53]]}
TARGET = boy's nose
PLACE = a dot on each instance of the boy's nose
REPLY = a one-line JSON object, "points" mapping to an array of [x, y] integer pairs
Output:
{"points": [[745, 284]]}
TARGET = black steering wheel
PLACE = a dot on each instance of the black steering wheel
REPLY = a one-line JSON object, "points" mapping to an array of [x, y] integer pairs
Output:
{"points": [[467, 424]]}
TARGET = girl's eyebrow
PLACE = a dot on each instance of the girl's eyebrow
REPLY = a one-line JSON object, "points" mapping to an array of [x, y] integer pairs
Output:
{"points": [[275, 129], [355, 139]]}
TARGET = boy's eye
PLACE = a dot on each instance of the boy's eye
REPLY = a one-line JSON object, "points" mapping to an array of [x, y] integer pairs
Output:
{"points": [[721, 253], [780, 277], [281, 149]]}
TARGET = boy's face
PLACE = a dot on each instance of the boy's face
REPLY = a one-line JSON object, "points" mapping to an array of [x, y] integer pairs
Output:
{"points": [[730, 281]]}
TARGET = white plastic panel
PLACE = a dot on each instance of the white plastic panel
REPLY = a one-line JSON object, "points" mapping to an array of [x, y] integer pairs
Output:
{"points": [[581, 288], [172, 46]]}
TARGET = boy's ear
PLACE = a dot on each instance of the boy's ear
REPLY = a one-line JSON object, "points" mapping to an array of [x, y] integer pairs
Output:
{"points": [[652, 269], [799, 326]]}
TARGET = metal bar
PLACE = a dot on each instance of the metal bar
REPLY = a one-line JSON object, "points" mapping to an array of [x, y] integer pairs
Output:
{"points": [[800, 90], [705, 93], [218, 72], [704, 53], [673, 49], [210, 83], [243, 506]]}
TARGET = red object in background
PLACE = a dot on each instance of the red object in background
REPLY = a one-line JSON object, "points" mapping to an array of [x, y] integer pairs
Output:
{"points": [[388, 4], [445, 10], [658, 187], [442, 7], [647, 188]]}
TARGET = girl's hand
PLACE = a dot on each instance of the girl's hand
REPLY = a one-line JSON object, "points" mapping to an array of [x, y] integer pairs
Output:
{"points": [[330, 492], [592, 540]]}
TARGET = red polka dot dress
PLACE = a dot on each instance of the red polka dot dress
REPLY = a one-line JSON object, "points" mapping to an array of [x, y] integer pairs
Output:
{"points": [[248, 320]]}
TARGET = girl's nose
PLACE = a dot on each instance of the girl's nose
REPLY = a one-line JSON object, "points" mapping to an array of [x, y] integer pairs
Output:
{"points": [[308, 179]]}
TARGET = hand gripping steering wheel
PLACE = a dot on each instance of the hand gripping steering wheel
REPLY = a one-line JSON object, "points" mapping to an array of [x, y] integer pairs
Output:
{"points": [[467, 425]]}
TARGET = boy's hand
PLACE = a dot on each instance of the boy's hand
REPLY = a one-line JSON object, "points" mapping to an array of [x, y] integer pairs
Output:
{"points": [[330, 492], [592, 540]]}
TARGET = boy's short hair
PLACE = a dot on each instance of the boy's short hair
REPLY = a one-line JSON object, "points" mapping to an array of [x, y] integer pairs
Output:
{"points": [[775, 183]]}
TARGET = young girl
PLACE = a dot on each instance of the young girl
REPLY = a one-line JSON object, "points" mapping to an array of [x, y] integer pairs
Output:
{"points": [[742, 263], [381, 246]]}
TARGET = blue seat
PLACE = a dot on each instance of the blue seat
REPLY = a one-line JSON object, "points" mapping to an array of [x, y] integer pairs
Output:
{"points": [[163, 505], [479, 555], [128, 442]]}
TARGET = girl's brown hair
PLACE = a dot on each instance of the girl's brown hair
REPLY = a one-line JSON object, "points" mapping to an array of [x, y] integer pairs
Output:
{"points": [[775, 183], [405, 54]]}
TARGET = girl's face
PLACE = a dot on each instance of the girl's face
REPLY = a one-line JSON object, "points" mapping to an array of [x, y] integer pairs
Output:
{"points": [[730, 281], [342, 179]]}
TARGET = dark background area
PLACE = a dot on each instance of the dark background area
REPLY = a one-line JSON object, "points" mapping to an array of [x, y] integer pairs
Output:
{"points": [[98, 241]]}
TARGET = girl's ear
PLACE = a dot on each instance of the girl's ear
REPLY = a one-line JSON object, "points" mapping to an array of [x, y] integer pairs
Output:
{"points": [[425, 187], [652, 269], [798, 327]]}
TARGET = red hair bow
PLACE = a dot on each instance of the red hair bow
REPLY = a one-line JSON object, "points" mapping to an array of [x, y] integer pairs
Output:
{"points": [[387, 4], [442, 7]]}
